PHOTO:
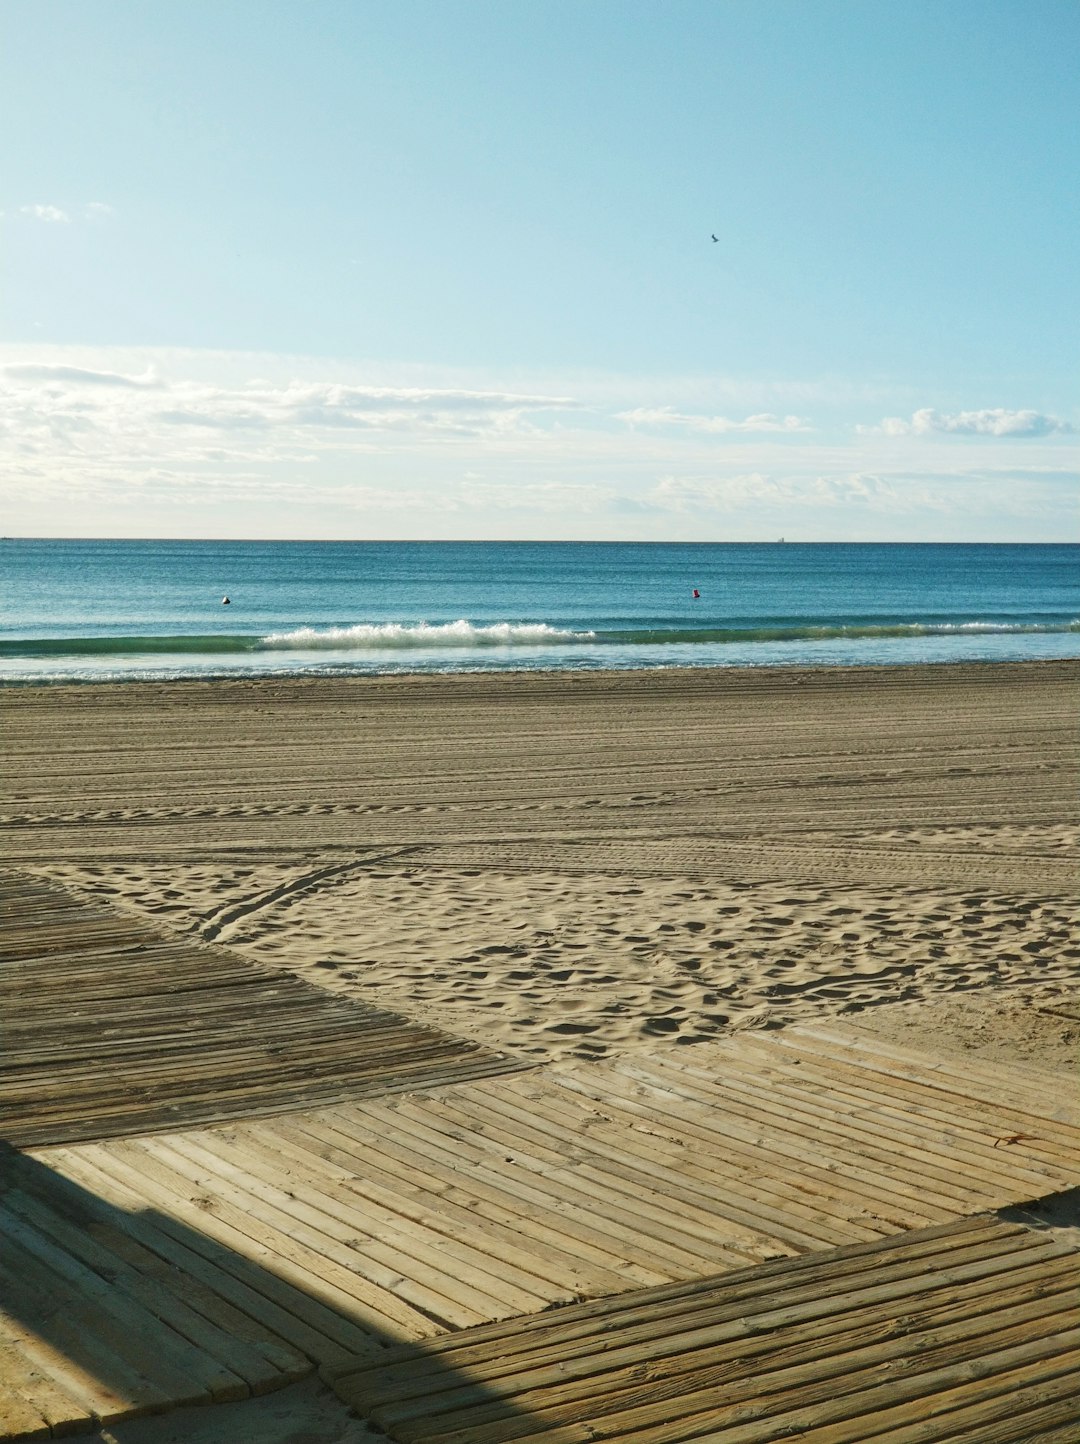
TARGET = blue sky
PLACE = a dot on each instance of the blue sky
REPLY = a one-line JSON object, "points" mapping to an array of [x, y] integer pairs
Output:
{"points": [[445, 268]]}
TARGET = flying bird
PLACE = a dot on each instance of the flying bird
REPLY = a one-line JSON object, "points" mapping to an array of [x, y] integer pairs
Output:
{"points": [[716, 238]]}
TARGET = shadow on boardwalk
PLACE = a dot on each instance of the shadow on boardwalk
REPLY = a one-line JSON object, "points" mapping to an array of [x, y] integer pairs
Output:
{"points": [[110, 1313], [967, 1330]]}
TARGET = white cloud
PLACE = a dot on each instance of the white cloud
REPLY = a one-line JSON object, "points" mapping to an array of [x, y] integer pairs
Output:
{"points": [[545, 496], [761, 490], [290, 410], [991, 421], [834, 501], [56, 215], [331, 405], [36, 371], [122, 441], [45, 213], [718, 493], [666, 416], [78, 418]]}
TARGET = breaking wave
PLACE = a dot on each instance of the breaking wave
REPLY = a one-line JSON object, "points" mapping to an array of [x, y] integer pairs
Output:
{"points": [[424, 634], [390, 637]]}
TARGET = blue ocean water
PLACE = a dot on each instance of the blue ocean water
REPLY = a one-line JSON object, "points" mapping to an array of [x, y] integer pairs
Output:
{"points": [[102, 610]]}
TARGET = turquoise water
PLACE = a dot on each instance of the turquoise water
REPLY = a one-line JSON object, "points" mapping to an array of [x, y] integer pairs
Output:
{"points": [[81, 610]]}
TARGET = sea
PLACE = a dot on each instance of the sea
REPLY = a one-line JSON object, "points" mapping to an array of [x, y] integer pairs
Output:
{"points": [[76, 611]]}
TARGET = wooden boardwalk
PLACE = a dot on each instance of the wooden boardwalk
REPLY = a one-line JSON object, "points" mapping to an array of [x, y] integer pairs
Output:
{"points": [[209, 1262], [108, 1314], [967, 1332], [225, 1178], [112, 1028], [506, 1195]]}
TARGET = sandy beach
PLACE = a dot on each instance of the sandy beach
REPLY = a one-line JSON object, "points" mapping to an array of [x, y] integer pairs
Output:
{"points": [[581, 868], [576, 865]]}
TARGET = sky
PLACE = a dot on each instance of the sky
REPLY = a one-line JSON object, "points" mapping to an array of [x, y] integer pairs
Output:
{"points": [[645, 269]]}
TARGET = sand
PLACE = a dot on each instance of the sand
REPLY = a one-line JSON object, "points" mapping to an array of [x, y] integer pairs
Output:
{"points": [[574, 866], [570, 867]]}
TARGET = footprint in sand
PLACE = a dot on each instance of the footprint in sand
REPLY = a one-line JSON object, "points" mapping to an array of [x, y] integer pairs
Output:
{"points": [[491, 962]]}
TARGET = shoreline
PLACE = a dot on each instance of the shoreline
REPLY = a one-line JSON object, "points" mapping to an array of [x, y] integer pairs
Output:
{"points": [[779, 670]]}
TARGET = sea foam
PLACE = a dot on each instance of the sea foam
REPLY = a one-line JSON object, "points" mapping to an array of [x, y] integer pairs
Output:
{"points": [[389, 635]]}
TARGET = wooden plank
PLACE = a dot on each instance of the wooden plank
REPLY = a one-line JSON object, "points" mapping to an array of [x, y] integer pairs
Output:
{"points": [[994, 1381], [177, 1086], [872, 1127], [482, 1229], [25, 1382], [284, 1058], [648, 1223], [907, 1329], [707, 1428], [121, 1374], [1043, 1412], [156, 1114], [791, 1291], [872, 1099], [236, 1363], [906, 1108], [282, 1273], [692, 1225], [790, 1327], [578, 1212], [260, 1302], [117, 1029], [842, 1395], [793, 1221], [742, 1121], [631, 1402], [683, 1373], [374, 1233], [96, 1235], [698, 1120], [879, 1055], [284, 1244], [95, 1398], [850, 1033], [854, 1140], [573, 1208], [789, 1279], [125, 1330], [19, 1418], [904, 1090], [87, 1118]]}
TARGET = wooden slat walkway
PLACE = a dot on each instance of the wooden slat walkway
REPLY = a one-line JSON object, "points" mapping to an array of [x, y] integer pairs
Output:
{"points": [[548, 1185], [331, 1233], [107, 1315], [969, 1332], [111, 1028]]}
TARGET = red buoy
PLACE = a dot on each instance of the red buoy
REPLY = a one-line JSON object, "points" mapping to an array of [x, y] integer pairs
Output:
{"points": [[697, 594]]}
